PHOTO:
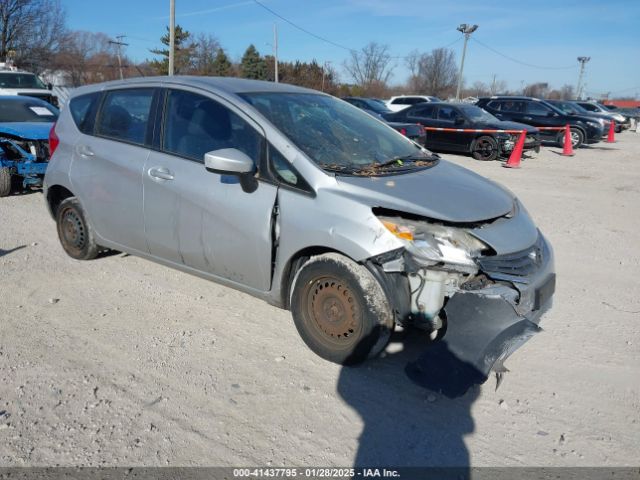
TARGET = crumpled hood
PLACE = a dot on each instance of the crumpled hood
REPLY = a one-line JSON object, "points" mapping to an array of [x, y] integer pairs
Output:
{"points": [[506, 125], [26, 130], [444, 192]]}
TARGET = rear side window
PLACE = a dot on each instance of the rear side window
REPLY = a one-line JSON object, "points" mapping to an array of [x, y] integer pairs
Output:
{"points": [[196, 125], [83, 110], [448, 114], [125, 115], [423, 112]]}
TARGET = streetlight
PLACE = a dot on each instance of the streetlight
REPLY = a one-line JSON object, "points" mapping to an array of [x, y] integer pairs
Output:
{"points": [[467, 30]]}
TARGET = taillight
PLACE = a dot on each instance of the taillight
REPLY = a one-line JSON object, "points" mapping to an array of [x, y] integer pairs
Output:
{"points": [[403, 131], [54, 141]]}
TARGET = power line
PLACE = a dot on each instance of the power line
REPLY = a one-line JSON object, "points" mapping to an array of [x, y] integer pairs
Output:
{"points": [[519, 61]]}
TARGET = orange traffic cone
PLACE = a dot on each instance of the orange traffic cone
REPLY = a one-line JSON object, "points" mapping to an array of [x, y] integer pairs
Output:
{"points": [[611, 138], [516, 153], [567, 148]]}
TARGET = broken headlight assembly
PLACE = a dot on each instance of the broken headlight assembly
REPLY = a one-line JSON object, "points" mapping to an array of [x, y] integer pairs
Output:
{"points": [[433, 244]]}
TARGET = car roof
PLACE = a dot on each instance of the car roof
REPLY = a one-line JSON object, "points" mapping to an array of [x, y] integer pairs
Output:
{"points": [[229, 85], [512, 97]]}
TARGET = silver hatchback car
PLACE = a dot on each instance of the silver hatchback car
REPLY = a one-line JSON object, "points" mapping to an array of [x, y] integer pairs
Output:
{"points": [[305, 201]]}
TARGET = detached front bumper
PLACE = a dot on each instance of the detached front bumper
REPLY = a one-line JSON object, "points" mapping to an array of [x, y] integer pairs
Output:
{"points": [[488, 321]]}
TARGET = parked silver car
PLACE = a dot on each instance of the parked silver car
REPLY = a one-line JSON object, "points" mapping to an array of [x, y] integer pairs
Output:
{"points": [[305, 201]]}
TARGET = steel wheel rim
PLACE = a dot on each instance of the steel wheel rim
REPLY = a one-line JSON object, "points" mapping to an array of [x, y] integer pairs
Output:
{"points": [[72, 230], [575, 138], [333, 311]]}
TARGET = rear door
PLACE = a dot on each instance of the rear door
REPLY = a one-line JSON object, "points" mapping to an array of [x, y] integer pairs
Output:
{"points": [[201, 219], [106, 173]]}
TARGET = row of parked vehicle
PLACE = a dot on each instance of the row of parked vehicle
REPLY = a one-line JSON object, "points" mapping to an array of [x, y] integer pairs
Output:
{"points": [[299, 199], [588, 121]]}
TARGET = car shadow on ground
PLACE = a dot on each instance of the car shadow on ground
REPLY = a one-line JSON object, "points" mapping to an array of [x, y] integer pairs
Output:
{"points": [[415, 405], [7, 252]]}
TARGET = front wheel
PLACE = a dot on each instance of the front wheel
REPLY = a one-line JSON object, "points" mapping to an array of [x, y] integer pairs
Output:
{"points": [[74, 232], [5, 181], [340, 309], [485, 148], [577, 138]]}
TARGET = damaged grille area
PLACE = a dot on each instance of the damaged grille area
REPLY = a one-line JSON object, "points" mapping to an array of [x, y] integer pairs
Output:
{"points": [[515, 266]]}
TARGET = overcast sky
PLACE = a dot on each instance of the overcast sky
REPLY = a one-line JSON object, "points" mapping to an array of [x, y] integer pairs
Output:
{"points": [[549, 34]]}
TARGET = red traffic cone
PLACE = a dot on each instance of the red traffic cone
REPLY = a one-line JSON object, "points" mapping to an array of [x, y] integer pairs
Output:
{"points": [[516, 153], [567, 148], [611, 138]]}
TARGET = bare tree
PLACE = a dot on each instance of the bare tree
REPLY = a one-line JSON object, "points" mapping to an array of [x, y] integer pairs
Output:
{"points": [[204, 54], [370, 67], [433, 73], [538, 90], [30, 31]]}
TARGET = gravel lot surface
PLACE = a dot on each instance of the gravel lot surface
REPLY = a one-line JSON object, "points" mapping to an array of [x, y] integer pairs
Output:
{"points": [[119, 361]]}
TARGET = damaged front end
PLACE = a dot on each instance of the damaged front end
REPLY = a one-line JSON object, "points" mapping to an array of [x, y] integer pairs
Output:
{"points": [[482, 303]]}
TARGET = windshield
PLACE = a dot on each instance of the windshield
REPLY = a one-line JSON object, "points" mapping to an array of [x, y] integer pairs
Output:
{"points": [[476, 114], [27, 111], [335, 135], [20, 80]]}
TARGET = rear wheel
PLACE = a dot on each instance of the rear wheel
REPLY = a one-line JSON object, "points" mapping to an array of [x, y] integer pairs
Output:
{"points": [[5, 181], [485, 148], [74, 232], [340, 309], [577, 138]]}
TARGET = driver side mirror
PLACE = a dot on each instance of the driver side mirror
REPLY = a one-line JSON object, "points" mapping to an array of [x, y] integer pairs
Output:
{"points": [[458, 121], [49, 86], [228, 160], [552, 114]]}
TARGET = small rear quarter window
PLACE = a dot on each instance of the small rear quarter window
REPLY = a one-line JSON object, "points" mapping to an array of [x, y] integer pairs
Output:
{"points": [[83, 110]]}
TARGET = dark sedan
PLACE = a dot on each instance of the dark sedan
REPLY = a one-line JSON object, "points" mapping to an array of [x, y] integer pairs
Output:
{"points": [[481, 145], [378, 109]]}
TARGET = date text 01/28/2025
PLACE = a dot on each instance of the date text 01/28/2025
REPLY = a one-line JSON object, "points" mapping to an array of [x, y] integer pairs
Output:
{"points": [[315, 473]]}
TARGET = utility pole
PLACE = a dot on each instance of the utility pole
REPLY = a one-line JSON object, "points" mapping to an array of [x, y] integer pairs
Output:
{"points": [[583, 61], [493, 85], [467, 30], [119, 43], [172, 35], [275, 50]]}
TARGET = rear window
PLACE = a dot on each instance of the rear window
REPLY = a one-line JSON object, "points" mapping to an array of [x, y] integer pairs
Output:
{"points": [[125, 115], [83, 111]]}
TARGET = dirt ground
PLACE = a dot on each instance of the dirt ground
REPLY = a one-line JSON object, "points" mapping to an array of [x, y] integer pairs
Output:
{"points": [[119, 361]]}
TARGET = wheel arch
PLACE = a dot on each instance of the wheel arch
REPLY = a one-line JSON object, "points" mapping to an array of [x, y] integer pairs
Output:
{"points": [[56, 194]]}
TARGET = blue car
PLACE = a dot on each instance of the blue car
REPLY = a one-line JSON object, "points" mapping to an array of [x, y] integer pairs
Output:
{"points": [[25, 123]]}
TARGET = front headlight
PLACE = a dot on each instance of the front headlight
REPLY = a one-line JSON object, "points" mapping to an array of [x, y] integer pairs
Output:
{"points": [[432, 244], [595, 124]]}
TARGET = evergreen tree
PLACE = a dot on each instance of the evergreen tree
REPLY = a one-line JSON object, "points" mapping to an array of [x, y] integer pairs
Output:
{"points": [[184, 51], [221, 64], [253, 65]]}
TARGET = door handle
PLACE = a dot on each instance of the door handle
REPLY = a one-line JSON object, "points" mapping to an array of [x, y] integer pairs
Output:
{"points": [[85, 151], [160, 173], [527, 118]]}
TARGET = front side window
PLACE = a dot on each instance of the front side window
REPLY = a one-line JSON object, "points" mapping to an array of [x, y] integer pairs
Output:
{"points": [[196, 124], [336, 136], [448, 114], [422, 112], [537, 108], [125, 115], [512, 106]]}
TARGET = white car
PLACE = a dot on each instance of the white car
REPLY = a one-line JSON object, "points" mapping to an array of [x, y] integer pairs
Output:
{"points": [[16, 82], [404, 101]]}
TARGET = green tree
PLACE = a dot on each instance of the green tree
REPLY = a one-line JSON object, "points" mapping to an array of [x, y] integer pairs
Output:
{"points": [[221, 64], [184, 53], [253, 65]]}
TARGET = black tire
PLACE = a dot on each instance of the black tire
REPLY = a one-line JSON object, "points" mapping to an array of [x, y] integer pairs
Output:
{"points": [[74, 232], [577, 138], [340, 310], [5, 181], [485, 148]]}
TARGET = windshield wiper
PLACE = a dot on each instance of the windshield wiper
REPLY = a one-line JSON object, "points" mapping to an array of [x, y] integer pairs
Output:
{"points": [[400, 161]]}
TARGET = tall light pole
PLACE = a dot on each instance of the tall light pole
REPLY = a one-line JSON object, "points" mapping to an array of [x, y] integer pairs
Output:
{"points": [[467, 30], [172, 35], [275, 51], [583, 61]]}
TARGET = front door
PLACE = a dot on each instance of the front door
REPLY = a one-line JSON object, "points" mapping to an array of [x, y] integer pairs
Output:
{"points": [[201, 219]]}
